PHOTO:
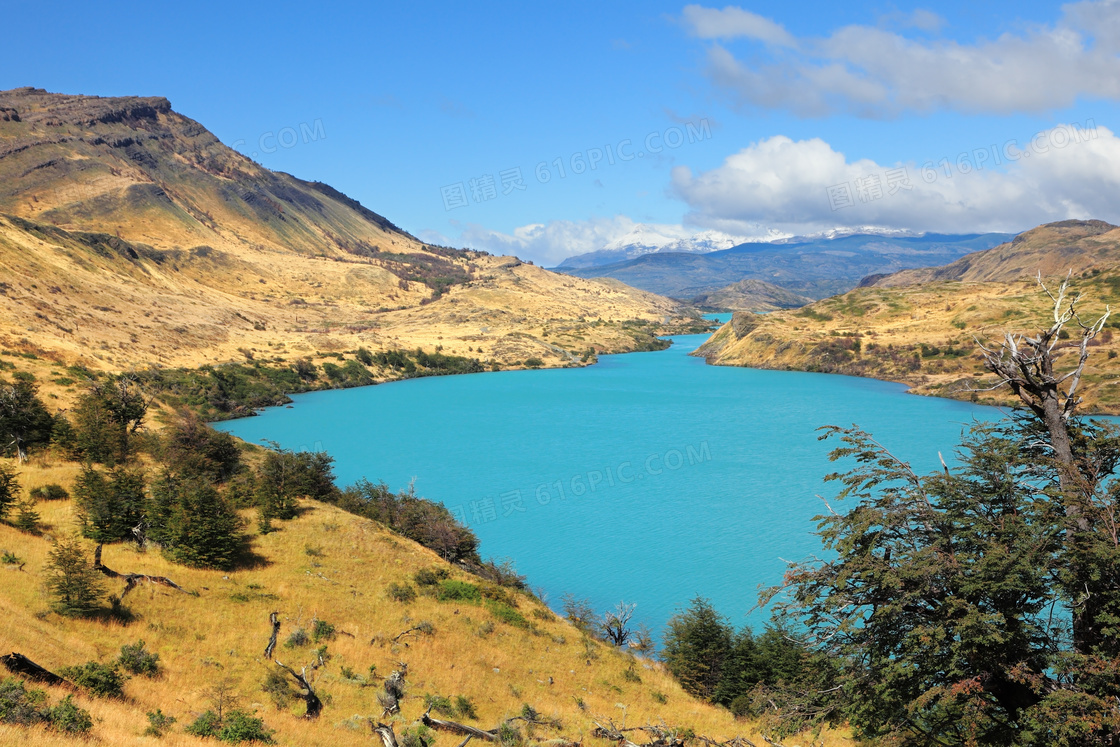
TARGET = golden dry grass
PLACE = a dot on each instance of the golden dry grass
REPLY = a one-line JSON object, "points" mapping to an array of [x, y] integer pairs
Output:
{"points": [[892, 323], [333, 566]]}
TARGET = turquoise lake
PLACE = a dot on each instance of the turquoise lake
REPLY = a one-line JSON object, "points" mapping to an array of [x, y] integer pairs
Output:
{"points": [[649, 477]]}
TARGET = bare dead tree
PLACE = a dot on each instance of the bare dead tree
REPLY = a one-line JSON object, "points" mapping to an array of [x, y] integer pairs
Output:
{"points": [[132, 580], [314, 705], [661, 736], [394, 691], [384, 732], [1026, 364], [615, 624], [274, 620], [423, 627]]}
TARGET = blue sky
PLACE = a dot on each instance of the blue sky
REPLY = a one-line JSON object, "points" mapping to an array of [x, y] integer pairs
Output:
{"points": [[400, 104]]}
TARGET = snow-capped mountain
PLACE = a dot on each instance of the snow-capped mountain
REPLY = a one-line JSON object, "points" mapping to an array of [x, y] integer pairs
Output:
{"points": [[650, 239]]}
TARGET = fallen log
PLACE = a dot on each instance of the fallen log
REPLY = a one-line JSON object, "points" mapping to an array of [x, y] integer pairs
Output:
{"points": [[131, 580], [456, 728], [314, 705], [274, 620], [20, 664]]}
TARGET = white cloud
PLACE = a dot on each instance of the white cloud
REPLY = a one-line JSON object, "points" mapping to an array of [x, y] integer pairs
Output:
{"points": [[550, 243], [732, 22], [872, 72], [1061, 173]]}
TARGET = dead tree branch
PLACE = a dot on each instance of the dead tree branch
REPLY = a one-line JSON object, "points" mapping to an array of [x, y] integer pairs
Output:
{"points": [[394, 691], [456, 728], [314, 705], [385, 733], [274, 620], [131, 580]]}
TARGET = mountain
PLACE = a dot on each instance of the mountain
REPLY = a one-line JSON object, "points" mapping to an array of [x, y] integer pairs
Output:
{"points": [[920, 327], [816, 268], [129, 234], [1051, 249], [646, 239], [750, 295]]}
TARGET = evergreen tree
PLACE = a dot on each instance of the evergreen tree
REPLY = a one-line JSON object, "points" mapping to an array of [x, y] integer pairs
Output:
{"points": [[76, 588], [193, 448], [106, 418], [27, 519], [979, 605], [109, 508], [24, 420], [193, 524], [9, 490], [697, 645]]}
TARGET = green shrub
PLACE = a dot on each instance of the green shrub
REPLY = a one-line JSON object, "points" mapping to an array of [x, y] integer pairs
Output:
{"points": [[322, 631], [9, 558], [158, 723], [440, 704], [507, 614], [451, 590], [430, 576], [69, 718], [99, 680], [238, 727], [18, 705], [277, 687], [206, 725], [297, 639], [533, 362], [464, 707], [416, 735], [401, 592], [51, 492], [136, 659]]}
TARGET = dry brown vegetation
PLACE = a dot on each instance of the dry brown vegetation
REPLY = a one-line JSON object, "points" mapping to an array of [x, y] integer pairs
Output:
{"points": [[130, 236], [920, 327], [335, 567]]}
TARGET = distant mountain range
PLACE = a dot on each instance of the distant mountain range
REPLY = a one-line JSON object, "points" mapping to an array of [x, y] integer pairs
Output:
{"points": [[649, 239], [817, 267]]}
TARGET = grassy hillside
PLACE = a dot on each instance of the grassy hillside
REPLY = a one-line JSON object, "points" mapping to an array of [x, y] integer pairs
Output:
{"points": [[131, 236], [331, 566], [921, 335], [751, 295]]}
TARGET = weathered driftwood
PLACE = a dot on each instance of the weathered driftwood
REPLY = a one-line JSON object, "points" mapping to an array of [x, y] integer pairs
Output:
{"points": [[20, 664], [131, 580], [274, 620], [314, 705], [456, 728]]}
